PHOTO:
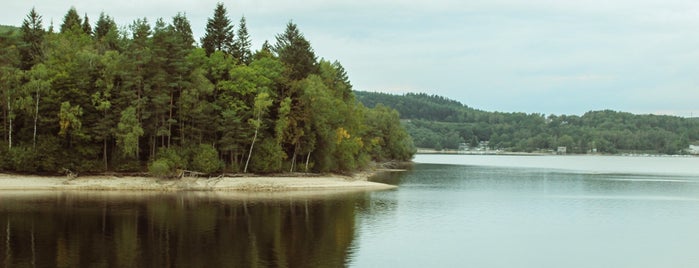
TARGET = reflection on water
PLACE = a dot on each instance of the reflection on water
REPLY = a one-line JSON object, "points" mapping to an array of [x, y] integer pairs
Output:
{"points": [[480, 216], [96, 230], [441, 216]]}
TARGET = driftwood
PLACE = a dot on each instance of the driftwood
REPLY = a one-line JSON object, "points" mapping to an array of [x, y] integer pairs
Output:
{"points": [[181, 173], [70, 174]]}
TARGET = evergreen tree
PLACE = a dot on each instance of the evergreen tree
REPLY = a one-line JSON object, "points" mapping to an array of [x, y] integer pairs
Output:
{"points": [[105, 24], [106, 34], [87, 28], [296, 53], [219, 32], [31, 48], [183, 31], [71, 21], [265, 51], [242, 44]]}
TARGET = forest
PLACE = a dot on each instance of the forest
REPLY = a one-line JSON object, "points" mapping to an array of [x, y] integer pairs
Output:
{"points": [[440, 123], [148, 97]]}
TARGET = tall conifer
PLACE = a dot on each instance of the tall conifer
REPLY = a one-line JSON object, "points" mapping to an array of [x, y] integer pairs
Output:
{"points": [[31, 49], [71, 21], [219, 32], [242, 43], [296, 53], [87, 28]]}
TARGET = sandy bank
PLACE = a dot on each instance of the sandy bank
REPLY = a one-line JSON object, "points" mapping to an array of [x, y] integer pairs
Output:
{"points": [[243, 184]]}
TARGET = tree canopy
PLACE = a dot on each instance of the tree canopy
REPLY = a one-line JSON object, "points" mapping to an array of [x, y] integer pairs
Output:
{"points": [[95, 98]]}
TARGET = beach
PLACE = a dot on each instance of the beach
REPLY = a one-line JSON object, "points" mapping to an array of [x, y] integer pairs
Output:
{"points": [[358, 181]]}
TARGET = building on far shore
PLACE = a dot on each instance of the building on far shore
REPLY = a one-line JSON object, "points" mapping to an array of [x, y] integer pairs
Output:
{"points": [[693, 149], [561, 150]]}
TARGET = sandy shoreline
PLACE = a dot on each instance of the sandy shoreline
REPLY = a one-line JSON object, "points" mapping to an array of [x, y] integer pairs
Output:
{"points": [[11, 182]]}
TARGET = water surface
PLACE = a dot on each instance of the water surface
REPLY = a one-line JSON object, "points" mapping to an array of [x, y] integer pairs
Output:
{"points": [[449, 211]]}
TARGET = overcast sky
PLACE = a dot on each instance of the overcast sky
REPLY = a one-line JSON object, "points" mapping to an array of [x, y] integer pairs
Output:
{"points": [[534, 56]]}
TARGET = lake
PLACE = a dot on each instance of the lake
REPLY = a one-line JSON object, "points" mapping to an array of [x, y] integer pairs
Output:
{"points": [[449, 211]]}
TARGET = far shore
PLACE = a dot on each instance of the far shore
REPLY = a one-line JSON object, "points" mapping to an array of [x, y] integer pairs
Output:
{"points": [[358, 181]]}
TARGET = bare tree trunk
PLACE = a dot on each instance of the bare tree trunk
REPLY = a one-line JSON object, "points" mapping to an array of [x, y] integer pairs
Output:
{"points": [[307, 158], [293, 158], [36, 115], [250, 153]]}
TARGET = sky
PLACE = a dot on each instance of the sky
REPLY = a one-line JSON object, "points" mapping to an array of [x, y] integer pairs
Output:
{"points": [[533, 56]]}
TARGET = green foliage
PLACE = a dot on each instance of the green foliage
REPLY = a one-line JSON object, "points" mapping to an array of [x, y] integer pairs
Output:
{"points": [[296, 53], [437, 122], [206, 159], [242, 44], [176, 157], [69, 118], [103, 99], [128, 132], [71, 22], [23, 159], [267, 158], [161, 168], [32, 46], [219, 32]]}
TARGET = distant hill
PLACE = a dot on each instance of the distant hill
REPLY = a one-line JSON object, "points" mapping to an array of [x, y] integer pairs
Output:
{"points": [[11, 31], [7, 28], [438, 122]]}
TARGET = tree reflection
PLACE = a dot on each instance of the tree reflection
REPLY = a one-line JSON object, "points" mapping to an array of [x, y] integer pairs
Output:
{"points": [[177, 230]]}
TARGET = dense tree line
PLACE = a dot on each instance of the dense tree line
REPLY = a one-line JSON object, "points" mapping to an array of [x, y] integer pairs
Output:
{"points": [[95, 98], [437, 122]]}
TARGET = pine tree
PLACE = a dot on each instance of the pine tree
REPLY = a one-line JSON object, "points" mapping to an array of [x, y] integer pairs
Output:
{"points": [[31, 49], [71, 21], [106, 34], [103, 26], [242, 44], [183, 31], [219, 32], [296, 53], [87, 28]]}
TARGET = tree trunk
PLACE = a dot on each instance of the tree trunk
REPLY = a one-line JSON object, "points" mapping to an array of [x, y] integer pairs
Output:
{"points": [[251, 146], [307, 158], [9, 131], [169, 124], [293, 158], [36, 116], [104, 155]]}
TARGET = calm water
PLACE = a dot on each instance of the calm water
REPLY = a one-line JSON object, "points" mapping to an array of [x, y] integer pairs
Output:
{"points": [[449, 211]]}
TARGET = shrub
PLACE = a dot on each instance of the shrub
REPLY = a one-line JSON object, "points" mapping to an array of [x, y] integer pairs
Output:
{"points": [[206, 159], [161, 168], [267, 157]]}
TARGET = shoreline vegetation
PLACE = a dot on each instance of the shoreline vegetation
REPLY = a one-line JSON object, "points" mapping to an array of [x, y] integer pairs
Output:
{"points": [[96, 98], [297, 182]]}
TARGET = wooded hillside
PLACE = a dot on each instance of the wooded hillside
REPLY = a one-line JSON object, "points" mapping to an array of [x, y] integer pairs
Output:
{"points": [[437, 122]]}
